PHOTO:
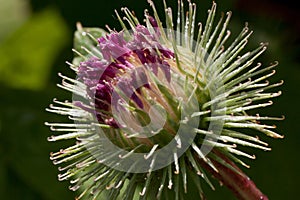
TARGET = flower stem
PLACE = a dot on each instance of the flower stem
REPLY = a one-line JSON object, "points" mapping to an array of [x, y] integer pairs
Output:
{"points": [[239, 183]]}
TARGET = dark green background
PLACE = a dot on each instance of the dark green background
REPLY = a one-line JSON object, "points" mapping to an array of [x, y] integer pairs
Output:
{"points": [[34, 47]]}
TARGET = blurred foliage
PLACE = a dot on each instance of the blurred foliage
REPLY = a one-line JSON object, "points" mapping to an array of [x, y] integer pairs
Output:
{"points": [[18, 12], [28, 54], [36, 39]]}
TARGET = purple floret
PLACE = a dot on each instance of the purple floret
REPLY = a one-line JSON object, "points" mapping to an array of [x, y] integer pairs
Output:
{"points": [[102, 76]]}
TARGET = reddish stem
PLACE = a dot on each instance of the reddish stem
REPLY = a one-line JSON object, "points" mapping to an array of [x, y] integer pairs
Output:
{"points": [[239, 183]]}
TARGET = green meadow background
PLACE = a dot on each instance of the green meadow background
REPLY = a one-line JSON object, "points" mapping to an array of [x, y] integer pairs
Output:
{"points": [[36, 40]]}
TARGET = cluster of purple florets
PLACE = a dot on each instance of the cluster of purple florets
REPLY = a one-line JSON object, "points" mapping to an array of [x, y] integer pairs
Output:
{"points": [[120, 56]]}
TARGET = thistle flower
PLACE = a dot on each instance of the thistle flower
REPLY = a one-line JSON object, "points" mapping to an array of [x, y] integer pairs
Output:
{"points": [[156, 110]]}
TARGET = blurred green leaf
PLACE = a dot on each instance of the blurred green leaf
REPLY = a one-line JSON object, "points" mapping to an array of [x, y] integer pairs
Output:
{"points": [[27, 56], [12, 14]]}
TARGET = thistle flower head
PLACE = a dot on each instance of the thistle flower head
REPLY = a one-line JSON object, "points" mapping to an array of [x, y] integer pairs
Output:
{"points": [[157, 108]]}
